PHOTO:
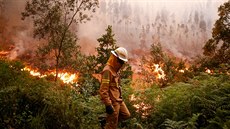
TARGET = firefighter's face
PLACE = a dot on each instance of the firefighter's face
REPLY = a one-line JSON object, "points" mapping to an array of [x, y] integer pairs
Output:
{"points": [[120, 61], [115, 62]]}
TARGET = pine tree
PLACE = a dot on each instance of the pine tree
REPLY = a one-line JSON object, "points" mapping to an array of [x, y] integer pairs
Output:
{"points": [[107, 43]]}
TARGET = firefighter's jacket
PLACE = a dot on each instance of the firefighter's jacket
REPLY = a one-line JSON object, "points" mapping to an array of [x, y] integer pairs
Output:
{"points": [[110, 90]]}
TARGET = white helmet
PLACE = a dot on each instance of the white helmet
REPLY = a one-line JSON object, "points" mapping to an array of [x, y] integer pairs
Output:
{"points": [[121, 53]]}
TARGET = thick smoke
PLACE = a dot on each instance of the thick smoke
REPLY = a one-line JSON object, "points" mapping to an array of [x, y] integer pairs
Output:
{"points": [[181, 26], [15, 34]]}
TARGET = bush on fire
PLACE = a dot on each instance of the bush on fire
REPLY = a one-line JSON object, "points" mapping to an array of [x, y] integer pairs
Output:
{"points": [[201, 103], [29, 102]]}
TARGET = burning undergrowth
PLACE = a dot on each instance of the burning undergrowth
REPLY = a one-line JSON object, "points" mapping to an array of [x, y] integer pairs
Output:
{"points": [[66, 76]]}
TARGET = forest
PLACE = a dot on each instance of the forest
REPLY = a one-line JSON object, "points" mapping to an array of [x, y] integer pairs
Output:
{"points": [[167, 93]]}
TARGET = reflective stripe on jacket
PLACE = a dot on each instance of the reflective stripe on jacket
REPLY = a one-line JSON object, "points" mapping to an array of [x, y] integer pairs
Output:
{"points": [[110, 90]]}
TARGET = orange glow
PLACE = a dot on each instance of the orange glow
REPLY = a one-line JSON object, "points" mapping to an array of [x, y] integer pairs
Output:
{"points": [[64, 76], [156, 70], [208, 71], [159, 71], [140, 107], [181, 71], [133, 98], [33, 72], [4, 53], [68, 77]]}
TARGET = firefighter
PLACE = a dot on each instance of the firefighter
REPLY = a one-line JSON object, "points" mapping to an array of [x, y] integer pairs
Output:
{"points": [[110, 90]]}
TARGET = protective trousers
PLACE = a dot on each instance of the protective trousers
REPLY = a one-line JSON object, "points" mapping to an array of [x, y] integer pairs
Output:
{"points": [[120, 113]]}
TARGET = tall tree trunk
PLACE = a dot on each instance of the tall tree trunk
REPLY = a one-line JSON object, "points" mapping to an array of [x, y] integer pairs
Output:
{"points": [[57, 68], [62, 40]]}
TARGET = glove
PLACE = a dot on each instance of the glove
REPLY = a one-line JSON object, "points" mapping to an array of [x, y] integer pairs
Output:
{"points": [[109, 109]]}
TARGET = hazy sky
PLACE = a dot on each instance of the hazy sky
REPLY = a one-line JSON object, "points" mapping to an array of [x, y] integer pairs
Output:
{"points": [[155, 20], [182, 26]]}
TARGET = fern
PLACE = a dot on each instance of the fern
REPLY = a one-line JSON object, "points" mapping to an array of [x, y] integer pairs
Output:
{"points": [[195, 121], [215, 103], [170, 124]]}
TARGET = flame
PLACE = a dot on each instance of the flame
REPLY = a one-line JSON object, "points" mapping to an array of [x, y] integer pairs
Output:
{"points": [[208, 71], [33, 72], [4, 53], [181, 71], [140, 107], [161, 74], [158, 71], [64, 76], [132, 97], [68, 77]]}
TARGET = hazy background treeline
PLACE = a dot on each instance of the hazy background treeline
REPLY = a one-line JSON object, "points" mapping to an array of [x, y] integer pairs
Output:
{"points": [[181, 94]]}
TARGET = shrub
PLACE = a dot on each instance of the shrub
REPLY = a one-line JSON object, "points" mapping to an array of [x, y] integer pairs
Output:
{"points": [[201, 102], [31, 102]]}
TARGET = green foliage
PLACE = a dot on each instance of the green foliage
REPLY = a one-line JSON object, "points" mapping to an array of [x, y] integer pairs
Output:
{"points": [[89, 65], [201, 64], [195, 121], [88, 85], [170, 66], [107, 43], [126, 72], [157, 55], [201, 102], [31, 102], [215, 102], [218, 47], [54, 21], [65, 57], [170, 124], [134, 121]]}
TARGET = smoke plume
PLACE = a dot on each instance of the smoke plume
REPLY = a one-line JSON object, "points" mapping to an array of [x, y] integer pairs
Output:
{"points": [[181, 26]]}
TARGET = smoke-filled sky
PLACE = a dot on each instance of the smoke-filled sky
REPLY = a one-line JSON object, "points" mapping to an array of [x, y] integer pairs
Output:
{"points": [[181, 26]]}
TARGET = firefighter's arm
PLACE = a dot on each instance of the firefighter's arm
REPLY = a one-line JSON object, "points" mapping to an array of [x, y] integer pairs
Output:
{"points": [[104, 88]]}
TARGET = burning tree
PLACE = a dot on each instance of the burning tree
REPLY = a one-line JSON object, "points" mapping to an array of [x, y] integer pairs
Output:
{"points": [[161, 68], [55, 21]]}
